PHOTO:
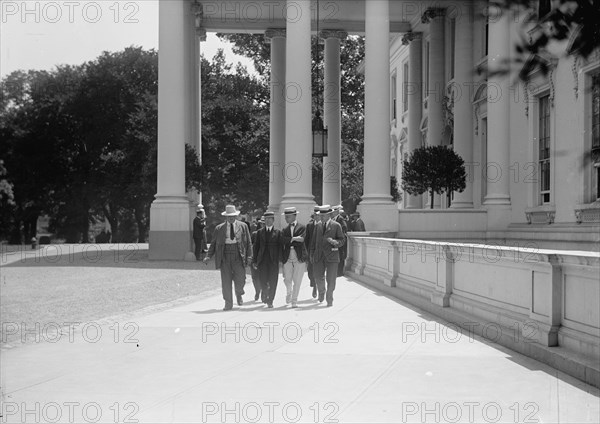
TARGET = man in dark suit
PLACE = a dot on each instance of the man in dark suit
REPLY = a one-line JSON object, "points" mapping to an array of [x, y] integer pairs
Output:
{"points": [[328, 238], [267, 256], [255, 276], [199, 225], [357, 224], [232, 248], [295, 255], [310, 228], [337, 217]]}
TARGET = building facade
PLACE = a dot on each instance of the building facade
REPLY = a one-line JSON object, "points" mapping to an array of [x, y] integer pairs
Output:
{"points": [[530, 149]]}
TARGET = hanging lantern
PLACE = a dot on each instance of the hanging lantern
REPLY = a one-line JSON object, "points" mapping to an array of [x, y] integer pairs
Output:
{"points": [[319, 136]]}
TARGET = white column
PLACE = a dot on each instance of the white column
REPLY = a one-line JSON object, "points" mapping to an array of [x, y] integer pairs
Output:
{"points": [[276, 37], [498, 113], [415, 102], [169, 213], [332, 163], [463, 108], [377, 209], [298, 131], [436, 85]]}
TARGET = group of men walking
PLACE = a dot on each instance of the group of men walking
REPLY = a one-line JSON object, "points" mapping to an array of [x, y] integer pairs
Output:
{"points": [[318, 248]]}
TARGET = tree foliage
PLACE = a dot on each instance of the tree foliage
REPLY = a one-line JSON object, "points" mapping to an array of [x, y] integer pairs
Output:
{"points": [[433, 169], [352, 51], [565, 27]]}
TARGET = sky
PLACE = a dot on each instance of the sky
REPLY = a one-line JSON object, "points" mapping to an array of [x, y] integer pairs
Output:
{"points": [[42, 34]]}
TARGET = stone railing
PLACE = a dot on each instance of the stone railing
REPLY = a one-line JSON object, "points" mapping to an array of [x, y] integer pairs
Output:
{"points": [[535, 301]]}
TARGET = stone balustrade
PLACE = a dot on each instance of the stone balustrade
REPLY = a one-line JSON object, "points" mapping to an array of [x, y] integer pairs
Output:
{"points": [[542, 303]]}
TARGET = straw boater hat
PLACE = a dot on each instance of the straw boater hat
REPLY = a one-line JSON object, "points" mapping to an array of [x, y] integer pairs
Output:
{"points": [[269, 214], [200, 207], [230, 211], [290, 211], [325, 209], [337, 207]]}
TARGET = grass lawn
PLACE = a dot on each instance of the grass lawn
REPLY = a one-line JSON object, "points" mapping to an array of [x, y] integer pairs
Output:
{"points": [[83, 283]]}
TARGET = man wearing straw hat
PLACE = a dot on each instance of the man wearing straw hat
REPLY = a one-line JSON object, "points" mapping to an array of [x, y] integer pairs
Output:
{"points": [[295, 255], [232, 247], [337, 217], [310, 228], [328, 238]]}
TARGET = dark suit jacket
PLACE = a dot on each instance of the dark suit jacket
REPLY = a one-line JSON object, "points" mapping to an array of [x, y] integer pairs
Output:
{"points": [[358, 225], [242, 235], [199, 225], [267, 247], [321, 249], [310, 230], [299, 247]]}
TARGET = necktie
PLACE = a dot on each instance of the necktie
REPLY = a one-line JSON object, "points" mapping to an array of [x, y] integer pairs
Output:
{"points": [[231, 232], [292, 229]]}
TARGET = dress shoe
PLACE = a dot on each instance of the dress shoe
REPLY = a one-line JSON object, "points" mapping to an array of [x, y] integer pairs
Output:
{"points": [[240, 301], [288, 298], [270, 305], [228, 308], [329, 304], [294, 305], [321, 297], [314, 293], [256, 297]]}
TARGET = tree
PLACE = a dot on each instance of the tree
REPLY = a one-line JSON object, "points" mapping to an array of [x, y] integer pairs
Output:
{"points": [[567, 27], [352, 53], [433, 169]]}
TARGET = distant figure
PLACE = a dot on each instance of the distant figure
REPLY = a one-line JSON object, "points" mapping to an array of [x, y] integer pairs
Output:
{"points": [[247, 223], [232, 249], [338, 217], [357, 224], [102, 238], [258, 291], [199, 232]]}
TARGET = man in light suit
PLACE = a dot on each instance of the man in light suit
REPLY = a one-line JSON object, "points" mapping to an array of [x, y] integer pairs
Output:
{"points": [[267, 255], [232, 248], [295, 255], [328, 238]]}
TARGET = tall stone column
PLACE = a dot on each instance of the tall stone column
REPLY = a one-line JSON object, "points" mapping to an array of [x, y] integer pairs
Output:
{"points": [[498, 181], [377, 209], [436, 85], [332, 163], [463, 108], [415, 101], [276, 37], [298, 114], [170, 211]]}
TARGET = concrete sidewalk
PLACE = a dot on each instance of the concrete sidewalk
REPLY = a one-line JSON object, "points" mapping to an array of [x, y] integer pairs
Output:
{"points": [[367, 359]]}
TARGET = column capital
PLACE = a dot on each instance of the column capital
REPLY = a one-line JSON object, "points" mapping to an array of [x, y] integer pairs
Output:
{"points": [[198, 13], [411, 36], [432, 13], [333, 33], [273, 33]]}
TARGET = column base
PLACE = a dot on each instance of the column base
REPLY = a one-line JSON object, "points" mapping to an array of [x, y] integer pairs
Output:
{"points": [[496, 199], [170, 228], [461, 205], [381, 216], [498, 216]]}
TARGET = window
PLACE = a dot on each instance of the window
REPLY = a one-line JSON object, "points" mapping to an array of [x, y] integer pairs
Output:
{"points": [[426, 69], [405, 87], [544, 148], [452, 45], [544, 7], [596, 131], [394, 96], [486, 37]]}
